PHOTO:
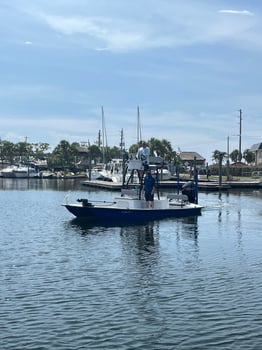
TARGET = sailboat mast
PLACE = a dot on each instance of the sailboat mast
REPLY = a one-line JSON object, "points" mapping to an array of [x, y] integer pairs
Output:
{"points": [[240, 135], [139, 132], [103, 134]]}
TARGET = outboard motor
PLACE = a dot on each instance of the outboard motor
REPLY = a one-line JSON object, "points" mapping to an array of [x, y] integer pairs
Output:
{"points": [[84, 202], [189, 189]]}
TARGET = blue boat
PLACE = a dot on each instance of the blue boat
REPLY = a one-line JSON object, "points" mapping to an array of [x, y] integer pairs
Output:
{"points": [[131, 207]]}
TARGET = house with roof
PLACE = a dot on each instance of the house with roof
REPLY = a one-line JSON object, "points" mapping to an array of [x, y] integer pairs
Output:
{"points": [[257, 150], [188, 159]]}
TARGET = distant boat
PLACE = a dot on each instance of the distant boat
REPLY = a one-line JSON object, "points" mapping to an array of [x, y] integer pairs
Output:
{"points": [[25, 172], [164, 173], [95, 172], [18, 171], [46, 174], [8, 171], [111, 172]]}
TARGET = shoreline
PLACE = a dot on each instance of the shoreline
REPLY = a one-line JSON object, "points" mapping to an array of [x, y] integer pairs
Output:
{"points": [[202, 185]]}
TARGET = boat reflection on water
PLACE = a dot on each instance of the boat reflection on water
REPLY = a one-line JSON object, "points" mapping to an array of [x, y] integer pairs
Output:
{"points": [[140, 237], [90, 226], [186, 227], [189, 227]]}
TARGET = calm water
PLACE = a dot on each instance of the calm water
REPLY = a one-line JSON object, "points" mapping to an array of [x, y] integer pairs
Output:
{"points": [[193, 283]]}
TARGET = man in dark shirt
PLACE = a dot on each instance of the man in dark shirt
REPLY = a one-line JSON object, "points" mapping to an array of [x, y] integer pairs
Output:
{"points": [[149, 189]]}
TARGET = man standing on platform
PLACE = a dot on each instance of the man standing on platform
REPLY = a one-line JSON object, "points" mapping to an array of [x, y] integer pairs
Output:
{"points": [[149, 189], [143, 154]]}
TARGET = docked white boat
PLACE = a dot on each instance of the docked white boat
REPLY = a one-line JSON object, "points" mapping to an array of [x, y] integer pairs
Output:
{"points": [[111, 172], [164, 173], [8, 171], [97, 173], [46, 174], [25, 172]]}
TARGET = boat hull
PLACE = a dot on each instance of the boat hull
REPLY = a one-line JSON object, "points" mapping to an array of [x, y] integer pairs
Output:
{"points": [[7, 174], [131, 215]]}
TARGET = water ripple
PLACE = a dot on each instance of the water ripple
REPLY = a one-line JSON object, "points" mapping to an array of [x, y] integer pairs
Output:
{"points": [[193, 283]]}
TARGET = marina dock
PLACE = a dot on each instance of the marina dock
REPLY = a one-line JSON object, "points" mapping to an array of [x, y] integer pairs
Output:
{"points": [[202, 185]]}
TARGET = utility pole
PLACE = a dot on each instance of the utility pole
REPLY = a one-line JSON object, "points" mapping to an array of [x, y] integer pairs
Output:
{"points": [[240, 134], [122, 142], [228, 158]]}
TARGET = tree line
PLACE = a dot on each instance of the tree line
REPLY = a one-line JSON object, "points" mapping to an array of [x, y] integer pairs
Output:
{"points": [[69, 155], [235, 156]]}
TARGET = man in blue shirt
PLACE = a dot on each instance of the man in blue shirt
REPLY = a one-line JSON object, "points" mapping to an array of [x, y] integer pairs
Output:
{"points": [[149, 189]]}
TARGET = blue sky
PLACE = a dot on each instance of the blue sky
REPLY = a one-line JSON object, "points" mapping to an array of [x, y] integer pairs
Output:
{"points": [[189, 65]]}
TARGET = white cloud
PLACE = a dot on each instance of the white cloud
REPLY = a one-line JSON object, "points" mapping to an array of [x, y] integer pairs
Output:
{"points": [[73, 25], [238, 12], [54, 91], [114, 34], [171, 25]]}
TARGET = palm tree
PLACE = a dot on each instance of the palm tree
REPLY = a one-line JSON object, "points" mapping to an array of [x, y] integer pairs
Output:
{"points": [[133, 148], [63, 156], [23, 151], [94, 153], [249, 156], [39, 149], [162, 147], [8, 151], [217, 155], [234, 155]]}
